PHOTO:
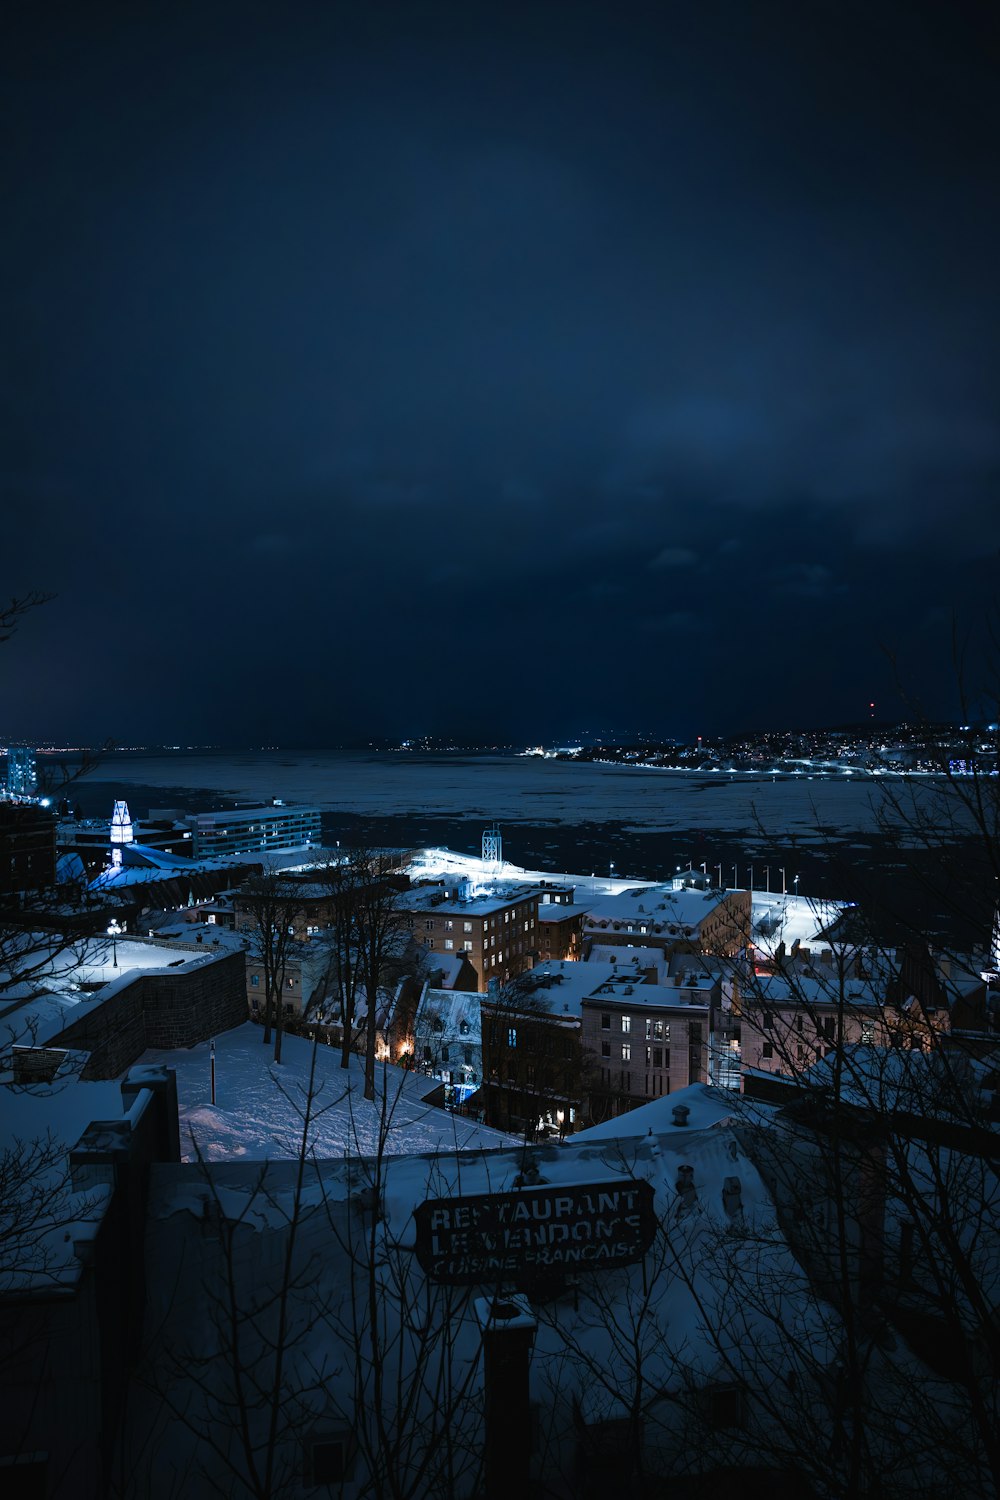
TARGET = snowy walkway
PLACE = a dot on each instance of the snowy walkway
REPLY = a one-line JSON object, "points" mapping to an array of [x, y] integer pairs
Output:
{"points": [[259, 1108]]}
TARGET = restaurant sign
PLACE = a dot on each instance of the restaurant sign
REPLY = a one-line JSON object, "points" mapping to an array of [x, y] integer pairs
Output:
{"points": [[465, 1241]]}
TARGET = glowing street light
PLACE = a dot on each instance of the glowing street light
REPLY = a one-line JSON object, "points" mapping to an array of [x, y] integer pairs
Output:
{"points": [[115, 931]]}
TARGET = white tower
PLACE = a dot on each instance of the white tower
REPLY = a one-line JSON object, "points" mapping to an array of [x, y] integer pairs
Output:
{"points": [[121, 832], [493, 848]]}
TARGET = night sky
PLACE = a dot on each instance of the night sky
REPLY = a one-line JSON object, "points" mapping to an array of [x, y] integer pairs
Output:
{"points": [[500, 371]]}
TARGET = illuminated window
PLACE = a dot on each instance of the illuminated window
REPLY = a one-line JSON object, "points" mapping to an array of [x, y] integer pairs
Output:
{"points": [[449, 944], [449, 924], [626, 1051], [626, 1023], [467, 945], [466, 926]]}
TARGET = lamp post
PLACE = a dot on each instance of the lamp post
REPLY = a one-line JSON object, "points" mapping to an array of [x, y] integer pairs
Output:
{"points": [[114, 932], [784, 891], [796, 887], [767, 879], [611, 872], [750, 868]]}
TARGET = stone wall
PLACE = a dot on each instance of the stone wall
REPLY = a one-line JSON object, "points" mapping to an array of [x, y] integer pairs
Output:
{"points": [[162, 1008]]}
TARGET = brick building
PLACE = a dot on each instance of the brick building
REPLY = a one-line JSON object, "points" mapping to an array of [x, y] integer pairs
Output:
{"points": [[27, 847], [498, 933], [646, 1040], [676, 921]]}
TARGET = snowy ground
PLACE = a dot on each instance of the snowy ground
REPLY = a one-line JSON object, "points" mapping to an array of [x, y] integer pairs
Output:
{"points": [[259, 1107]]}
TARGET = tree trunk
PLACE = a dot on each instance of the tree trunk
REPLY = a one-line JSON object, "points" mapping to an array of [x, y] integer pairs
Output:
{"points": [[372, 1026], [347, 1015]]}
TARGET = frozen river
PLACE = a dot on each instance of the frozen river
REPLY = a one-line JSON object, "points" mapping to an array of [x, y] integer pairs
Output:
{"points": [[522, 789]]}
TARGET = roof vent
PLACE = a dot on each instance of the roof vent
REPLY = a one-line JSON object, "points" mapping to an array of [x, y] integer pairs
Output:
{"points": [[681, 1113]]}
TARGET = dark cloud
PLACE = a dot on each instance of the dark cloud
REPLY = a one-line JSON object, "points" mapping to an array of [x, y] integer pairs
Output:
{"points": [[363, 351]]}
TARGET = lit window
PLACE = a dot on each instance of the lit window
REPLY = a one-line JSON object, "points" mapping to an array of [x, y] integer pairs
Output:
{"points": [[467, 945], [512, 1036], [626, 1023], [626, 1051], [449, 944], [466, 926]]}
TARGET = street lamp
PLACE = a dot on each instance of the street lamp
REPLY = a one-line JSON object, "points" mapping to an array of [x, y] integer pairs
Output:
{"points": [[611, 871], [114, 932], [784, 890], [796, 887]]}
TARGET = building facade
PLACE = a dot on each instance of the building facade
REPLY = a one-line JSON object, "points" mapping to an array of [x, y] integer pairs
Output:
{"points": [[498, 934], [255, 830]]}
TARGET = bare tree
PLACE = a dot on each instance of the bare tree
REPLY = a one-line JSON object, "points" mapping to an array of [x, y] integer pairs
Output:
{"points": [[297, 1340], [381, 934], [274, 901]]}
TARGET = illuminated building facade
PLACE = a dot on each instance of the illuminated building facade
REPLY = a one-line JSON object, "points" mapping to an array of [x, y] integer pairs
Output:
{"points": [[22, 774], [255, 830]]}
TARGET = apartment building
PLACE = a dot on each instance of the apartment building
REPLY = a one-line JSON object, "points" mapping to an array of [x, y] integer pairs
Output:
{"points": [[675, 921], [789, 1021], [646, 1040], [255, 830], [497, 933]]}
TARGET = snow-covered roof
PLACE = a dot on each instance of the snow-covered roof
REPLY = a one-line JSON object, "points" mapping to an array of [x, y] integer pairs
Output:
{"points": [[645, 958], [706, 1106], [798, 989], [655, 908], [453, 1009], [560, 986]]}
